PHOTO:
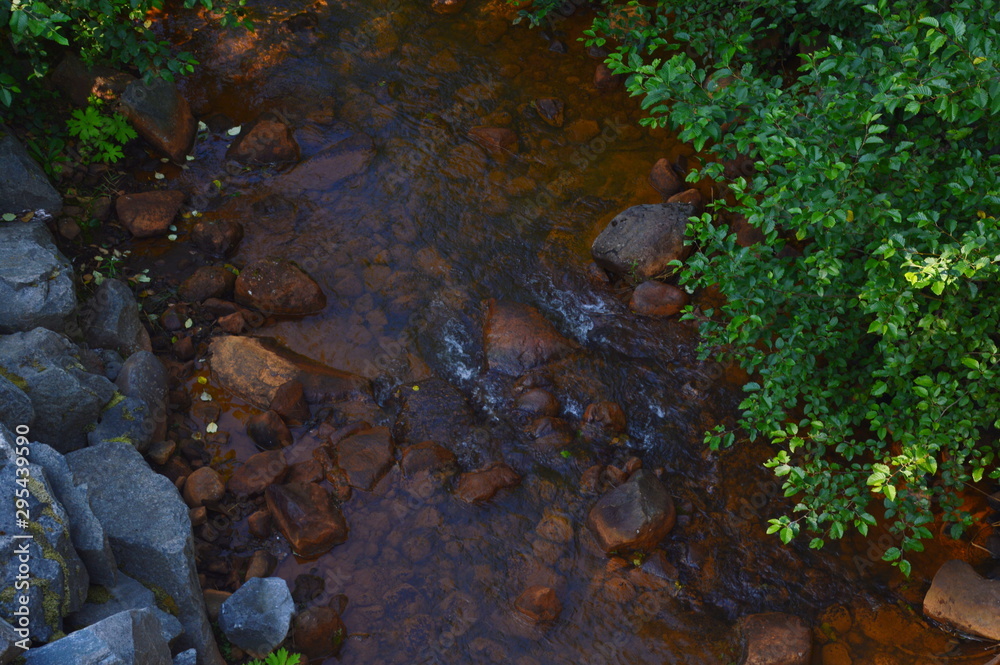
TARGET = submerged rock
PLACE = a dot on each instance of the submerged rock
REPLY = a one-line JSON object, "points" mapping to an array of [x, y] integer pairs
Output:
{"points": [[539, 604], [267, 140], [657, 299], [217, 237], [279, 286], [256, 617], [319, 632], [641, 242], [482, 485], [258, 472], [36, 280], [126, 638], [366, 457], [346, 158], [518, 338], [775, 639], [306, 517], [961, 598], [253, 368], [634, 516]]}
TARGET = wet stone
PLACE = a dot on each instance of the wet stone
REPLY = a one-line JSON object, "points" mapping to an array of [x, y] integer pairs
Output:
{"points": [[517, 338], [259, 524], [634, 516], [663, 178], [149, 214], [217, 237], [640, 242], [319, 632], [657, 299], [290, 402], [203, 486], [961, 598], [775, 639], [551, 110], [207, 282], [537, 402], [482, 485], [306, 517], [269, 431], [267, 140], [427, 457], [258, 472], [539, 604], [279, 286], [366, 457]]}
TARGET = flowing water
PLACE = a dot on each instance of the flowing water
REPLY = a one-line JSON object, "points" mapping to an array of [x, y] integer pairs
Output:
{"points": [[407, 250]]}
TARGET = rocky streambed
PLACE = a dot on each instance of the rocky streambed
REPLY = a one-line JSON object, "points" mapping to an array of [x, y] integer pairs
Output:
{"points": [[393, 373]]}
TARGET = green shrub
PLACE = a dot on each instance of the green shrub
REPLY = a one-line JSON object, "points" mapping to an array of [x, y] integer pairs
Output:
{"points": [[279, 657], [868, 317], [113, 31], [101, 136]]}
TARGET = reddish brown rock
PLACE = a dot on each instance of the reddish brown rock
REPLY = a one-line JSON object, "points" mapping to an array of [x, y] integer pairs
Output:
{"points": [[539, 604], [551, 110], [207, 282], [203, 486], [518, 338], [318, 633], [253, 368], [213, 602], [607, 415], [290, 403], [657, 299], [636, 515], [551, 433], [233, 324], [664, 180], [184, 348], [427, 457], [961, 598], [775, 639], [259, 524], [217, 237], [747, 235], [581, 131], [447, 6], [309, 471], [160, 115], [537, 402], [262, 564], [258, 472], [692, 197], [590, 481], [482, 485], [279, 286], [149, 214], [269, 431], [366, 457], [198, 516], [306, 517], [498, 141], [267, 140]]}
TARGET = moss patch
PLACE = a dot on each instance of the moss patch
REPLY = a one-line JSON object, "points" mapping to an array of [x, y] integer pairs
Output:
{"points": [[164, 600], [15, 379], [98, 595], [115, 400]]}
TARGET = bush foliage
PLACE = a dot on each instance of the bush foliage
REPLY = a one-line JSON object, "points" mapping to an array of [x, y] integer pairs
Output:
{"points": [[111, 31], [868, 316]]}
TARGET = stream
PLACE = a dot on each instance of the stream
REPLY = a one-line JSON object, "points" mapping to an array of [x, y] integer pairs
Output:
{"points": [[408, 243]]}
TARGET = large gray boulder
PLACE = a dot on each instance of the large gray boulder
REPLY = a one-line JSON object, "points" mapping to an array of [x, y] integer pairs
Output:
{"points": [[640, 242], [257, 616], [125, 419], [149, 528], [42, 542], [127, 594], [67, 399], [110, 320], [23, 183], [127, 638], [85, 529], [15, 406], [36, 280], [143, 377]]}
